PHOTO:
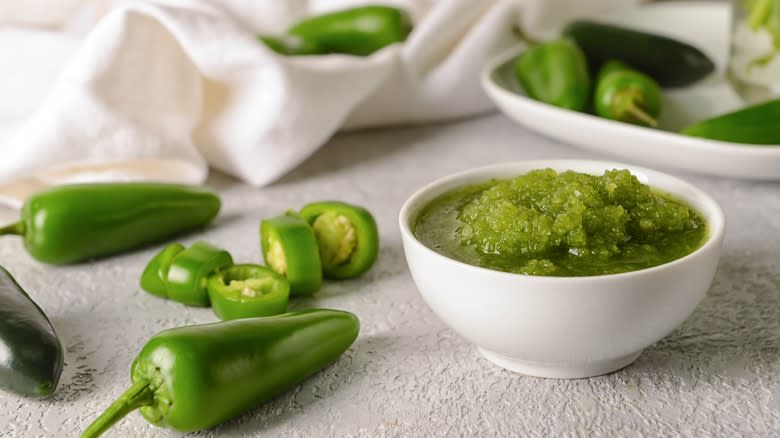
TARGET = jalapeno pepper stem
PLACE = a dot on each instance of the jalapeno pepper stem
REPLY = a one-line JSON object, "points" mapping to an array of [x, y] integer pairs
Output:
{"points": [[625, 102], [14, 228], [641, 115], [524, 37], [138, 395]]}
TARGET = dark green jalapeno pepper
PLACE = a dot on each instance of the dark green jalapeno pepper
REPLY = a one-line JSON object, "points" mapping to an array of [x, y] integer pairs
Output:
{"points": [[756, 124], [182, 274], [357, 31], [290, 248], [555, 72], [627, 95], [30, 352], [347, 237], [246, 291], [73, 223], [670, 62], [196, 377]]}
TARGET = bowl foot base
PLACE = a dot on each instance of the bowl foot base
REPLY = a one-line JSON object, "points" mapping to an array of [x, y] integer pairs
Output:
{"points": [[562, 370]]}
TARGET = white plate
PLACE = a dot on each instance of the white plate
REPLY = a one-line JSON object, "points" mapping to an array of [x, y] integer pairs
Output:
{"points": [[703, 24]]}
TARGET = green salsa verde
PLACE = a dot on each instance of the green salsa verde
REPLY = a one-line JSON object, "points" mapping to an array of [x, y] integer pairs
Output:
{"points": [[561, 224]]}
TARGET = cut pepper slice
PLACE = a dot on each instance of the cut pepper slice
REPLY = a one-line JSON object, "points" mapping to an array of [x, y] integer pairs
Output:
{"points": [[290, 249], [247, 291], [188, 273], [347, 237], [153, 279]]}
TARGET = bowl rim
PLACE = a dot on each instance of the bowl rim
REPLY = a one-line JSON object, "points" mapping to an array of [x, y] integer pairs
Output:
{"points": [[714, 217]]}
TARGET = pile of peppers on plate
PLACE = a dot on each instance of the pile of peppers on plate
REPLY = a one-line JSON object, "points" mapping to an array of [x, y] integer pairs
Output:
{"points": [[186, 378], [630, 68]]}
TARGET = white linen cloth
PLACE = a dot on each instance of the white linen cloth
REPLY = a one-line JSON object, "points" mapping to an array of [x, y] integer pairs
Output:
{"points": [[163, 90]]}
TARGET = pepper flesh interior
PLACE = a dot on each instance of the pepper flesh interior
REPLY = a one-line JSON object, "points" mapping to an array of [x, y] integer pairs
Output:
{"points": [[251, 287], [275, 256], [336, 237]]}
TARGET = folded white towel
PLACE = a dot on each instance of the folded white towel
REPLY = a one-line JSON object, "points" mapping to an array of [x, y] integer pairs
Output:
{"points": [[165, 90]]}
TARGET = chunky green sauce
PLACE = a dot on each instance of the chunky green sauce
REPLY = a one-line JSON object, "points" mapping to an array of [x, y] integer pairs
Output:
{"points": [[561, 224]]}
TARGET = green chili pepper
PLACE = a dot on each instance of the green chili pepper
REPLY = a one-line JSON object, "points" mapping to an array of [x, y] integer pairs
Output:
{"points": [[74, 223], [358, 31], [153, 279], [196, 377], [627, 95], [347, 237], [182, 274], [757, 124], [245, 291], [555, 72], [30, 352], [670, 62], [290, 248]]}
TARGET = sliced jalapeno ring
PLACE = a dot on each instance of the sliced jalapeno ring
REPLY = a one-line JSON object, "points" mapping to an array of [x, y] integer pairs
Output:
{"points": [[189, 271], [247, 291], [290, 249], [347, 237], [153, 279]]}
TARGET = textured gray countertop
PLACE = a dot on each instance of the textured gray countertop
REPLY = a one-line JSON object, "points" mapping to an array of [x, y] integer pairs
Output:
{"points": [[408, 375]]}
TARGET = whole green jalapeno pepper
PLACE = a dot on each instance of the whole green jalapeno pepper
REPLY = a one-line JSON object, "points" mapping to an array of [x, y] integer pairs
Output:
{"points": [[290, 248], [195, 377], [347, 237], [182, 274], [30, 351], [555, 72], [357, 31], [627, 95], [756, 124], [246, 291], [73, 223], [670, 62]]}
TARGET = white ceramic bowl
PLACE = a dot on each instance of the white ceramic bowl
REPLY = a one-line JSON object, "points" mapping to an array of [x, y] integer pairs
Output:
{"points": [[562, 327]]}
